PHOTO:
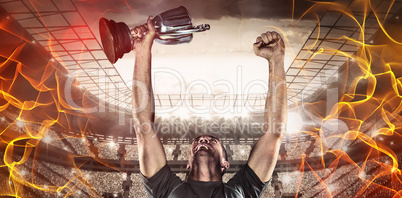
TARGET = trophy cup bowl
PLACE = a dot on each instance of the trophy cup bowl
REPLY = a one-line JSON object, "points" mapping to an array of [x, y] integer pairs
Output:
{"points": [[172, 27]]}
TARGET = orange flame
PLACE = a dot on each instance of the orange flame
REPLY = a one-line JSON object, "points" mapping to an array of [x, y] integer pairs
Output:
{"points": [[360, 107]]}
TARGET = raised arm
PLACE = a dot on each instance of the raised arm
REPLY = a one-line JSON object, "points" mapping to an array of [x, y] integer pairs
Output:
{"points": [[264, 155], [150, 150]]}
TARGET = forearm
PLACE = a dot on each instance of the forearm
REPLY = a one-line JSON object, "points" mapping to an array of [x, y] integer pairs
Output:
{"points": [[151, 153], [265, 152], [264, 155], [276, 102], [143, 107]]}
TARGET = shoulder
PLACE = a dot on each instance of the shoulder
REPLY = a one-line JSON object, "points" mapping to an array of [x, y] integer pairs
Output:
{"points": [[247, 183], [162, 183]]}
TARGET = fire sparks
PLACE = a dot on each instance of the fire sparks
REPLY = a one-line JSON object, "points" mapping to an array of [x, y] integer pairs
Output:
{"points": [[369, 107]]}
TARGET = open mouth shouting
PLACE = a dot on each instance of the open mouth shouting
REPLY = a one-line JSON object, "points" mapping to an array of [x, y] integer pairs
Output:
{"points": [[200, 147]]}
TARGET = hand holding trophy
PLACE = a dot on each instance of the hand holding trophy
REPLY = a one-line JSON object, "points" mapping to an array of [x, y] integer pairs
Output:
{"points": [[172, 27]]}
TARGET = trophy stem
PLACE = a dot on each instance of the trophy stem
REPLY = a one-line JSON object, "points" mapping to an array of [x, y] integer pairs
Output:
{"points": [[178, 32]]}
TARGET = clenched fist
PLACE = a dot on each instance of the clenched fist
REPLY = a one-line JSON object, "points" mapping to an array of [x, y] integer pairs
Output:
{"points": [[145, 36], [270, 46]]}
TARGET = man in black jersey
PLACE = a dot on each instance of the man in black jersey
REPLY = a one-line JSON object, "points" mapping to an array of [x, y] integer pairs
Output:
{"points": [[207, 160]]}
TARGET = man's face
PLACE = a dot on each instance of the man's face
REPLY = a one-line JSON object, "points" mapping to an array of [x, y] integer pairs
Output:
{"points": [[207, 146]]}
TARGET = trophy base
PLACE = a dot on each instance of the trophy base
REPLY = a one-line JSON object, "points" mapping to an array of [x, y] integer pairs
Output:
{"points": [[116, 39]]}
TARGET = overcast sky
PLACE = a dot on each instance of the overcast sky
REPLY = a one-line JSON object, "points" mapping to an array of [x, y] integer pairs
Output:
{"points": [[223, 53]]}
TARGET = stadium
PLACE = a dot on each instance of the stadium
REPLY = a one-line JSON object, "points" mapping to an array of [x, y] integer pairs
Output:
{"points": [[66, 112]]}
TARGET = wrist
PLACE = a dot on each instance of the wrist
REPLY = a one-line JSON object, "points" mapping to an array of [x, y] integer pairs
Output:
{"points": [[142, 52], [142, 47], [277, 69], [276, 60]]}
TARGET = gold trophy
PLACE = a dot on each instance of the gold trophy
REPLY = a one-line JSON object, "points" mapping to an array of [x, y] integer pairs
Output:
{"points": [[172, 27]]}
